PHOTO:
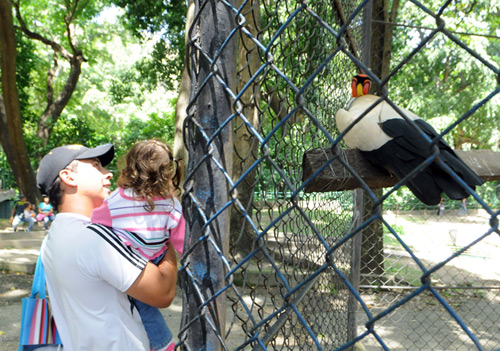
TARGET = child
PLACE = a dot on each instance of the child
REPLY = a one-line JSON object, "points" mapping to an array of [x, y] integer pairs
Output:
{"points": [[18, 214], [146, 215], [28, 211]]}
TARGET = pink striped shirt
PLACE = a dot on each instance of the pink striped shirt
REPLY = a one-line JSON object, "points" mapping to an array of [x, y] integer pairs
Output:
{"points": [[145, 231]]}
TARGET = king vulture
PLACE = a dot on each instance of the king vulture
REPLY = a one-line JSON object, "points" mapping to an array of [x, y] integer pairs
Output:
{"points": [[386, 139]]}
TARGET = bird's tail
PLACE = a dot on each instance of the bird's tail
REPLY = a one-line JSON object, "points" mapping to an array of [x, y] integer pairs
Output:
{"points": [[449, 185]]}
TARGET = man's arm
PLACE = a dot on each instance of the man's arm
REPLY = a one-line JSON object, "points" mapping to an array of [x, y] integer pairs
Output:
{"points": [[156, 284]]}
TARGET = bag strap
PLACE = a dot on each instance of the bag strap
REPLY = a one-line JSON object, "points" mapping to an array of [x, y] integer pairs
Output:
{"points": [[38, 286]]}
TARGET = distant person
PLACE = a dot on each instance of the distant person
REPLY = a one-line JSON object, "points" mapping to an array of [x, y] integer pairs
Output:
{"points": [[45, 212], [17, 216], [463, 208], [29, 212], [440, 207], [90, 272], [146, 214]]}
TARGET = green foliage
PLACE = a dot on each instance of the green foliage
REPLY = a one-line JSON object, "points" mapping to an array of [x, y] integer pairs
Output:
{"points": [[158, 125], [443, 81], [109, 104], [162, 68], [403, 200], [26, 61], [77, 131], [166, 21], [48, 18], [122, 87], [6, 176]]}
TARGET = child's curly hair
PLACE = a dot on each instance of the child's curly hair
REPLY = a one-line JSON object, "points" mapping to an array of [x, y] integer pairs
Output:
{"points": [[151, 170]]}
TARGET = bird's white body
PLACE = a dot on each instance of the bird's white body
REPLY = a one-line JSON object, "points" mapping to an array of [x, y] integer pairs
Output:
{"points": [[386, 139], [367, 134]]}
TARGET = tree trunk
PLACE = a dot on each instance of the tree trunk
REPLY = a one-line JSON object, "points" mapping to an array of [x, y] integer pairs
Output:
{"points": [[372, 246], [74, 57], [180, 152], [203, 293], [372, 258], [55, 108], [246, 146], [381, 34], [11, 134]]}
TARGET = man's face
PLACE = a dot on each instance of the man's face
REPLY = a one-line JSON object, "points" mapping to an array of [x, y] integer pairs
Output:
{"points": [[93, 180]]}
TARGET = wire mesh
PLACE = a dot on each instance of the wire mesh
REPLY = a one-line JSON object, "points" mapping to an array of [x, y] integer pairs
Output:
{"points": [[269, 265]]}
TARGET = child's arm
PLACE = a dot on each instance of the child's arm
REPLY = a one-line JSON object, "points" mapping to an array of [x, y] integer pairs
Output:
{"points": [[157, 283]]}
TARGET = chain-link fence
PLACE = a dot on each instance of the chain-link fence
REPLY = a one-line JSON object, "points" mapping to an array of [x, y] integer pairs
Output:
{"points": [[280, 258]]}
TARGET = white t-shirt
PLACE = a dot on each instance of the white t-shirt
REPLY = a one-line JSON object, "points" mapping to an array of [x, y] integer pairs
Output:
{"points": [[88, 269]]}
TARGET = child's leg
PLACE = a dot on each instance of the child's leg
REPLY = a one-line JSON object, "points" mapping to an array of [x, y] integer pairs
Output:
{"points": [[158, 332], [31, 222], [160, 336], [46, 220], [15, 222]]}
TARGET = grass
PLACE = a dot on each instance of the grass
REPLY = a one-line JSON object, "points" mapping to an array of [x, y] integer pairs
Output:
{"points": [[401, 272], [4, 223], [325, 221]]}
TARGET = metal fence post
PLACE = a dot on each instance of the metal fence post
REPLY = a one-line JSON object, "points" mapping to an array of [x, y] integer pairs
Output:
{"points": [[209, 140]]}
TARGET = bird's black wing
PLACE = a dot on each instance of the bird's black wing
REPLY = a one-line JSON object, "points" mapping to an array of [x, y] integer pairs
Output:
{"points": [[409, 149], [410, 139], [400, 161], [446, 153]]}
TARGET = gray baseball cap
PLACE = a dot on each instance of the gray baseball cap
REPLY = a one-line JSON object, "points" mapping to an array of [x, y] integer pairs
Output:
{"points": [[58, 158]]}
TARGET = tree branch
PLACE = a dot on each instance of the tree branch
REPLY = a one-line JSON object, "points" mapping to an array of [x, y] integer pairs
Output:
{"points": [[36, 36], [55, 109], [341, 16], [68, 20], [337, 177], [50, 81]]}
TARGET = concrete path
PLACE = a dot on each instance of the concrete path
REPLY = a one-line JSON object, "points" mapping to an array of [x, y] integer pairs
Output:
{"points": [[19, 250]]}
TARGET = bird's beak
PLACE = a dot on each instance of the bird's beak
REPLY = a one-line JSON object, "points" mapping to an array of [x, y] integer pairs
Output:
{"points": [[360, 85], [359, 89]]}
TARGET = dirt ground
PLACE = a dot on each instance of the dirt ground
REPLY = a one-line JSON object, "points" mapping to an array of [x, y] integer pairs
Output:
{"points": [[15, 286], [468, 283]]}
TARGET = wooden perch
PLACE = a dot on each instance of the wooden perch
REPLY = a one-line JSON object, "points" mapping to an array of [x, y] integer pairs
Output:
{"points": [[336, 177]]}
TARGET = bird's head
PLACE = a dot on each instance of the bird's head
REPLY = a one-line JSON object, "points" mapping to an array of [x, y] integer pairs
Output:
{"points": [[360, 85]]}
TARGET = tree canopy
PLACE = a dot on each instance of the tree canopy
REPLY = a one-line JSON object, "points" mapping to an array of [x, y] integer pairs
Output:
{"points": [[80, 77]]}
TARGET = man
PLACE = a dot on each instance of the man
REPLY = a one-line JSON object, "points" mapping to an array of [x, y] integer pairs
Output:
{"points": [[17, 216], [89, 271]]}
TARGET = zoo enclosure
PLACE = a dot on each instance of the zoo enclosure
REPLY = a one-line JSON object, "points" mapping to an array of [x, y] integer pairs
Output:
{"points": [[270, 264]]}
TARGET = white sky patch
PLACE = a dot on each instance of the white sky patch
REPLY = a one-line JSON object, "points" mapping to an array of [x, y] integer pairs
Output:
{"points": [[109, 15]]}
